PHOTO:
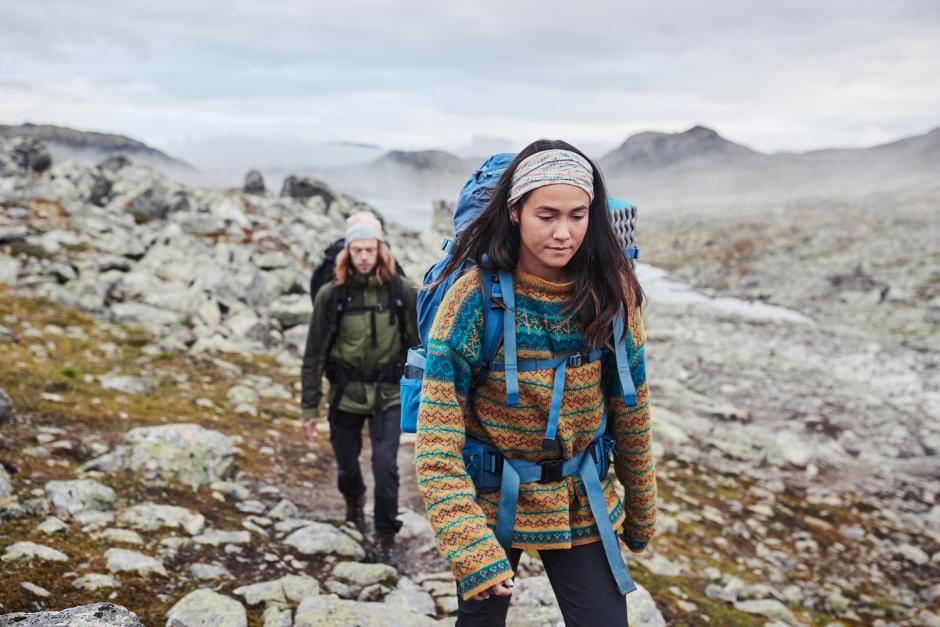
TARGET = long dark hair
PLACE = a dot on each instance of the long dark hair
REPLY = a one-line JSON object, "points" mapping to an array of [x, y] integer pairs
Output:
{"points": [[603, 280]]}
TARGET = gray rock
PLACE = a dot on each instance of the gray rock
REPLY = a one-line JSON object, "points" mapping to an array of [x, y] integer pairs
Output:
{"points": [[216, 537], [411, 598], [31, 550], [284, 510], [229, 488], [320, 538], [209, 572], [299, 587], [51, 525], [80, 495], [304, 187], [912, 553], [357, 575], [39, 591], [153, 516], [254, 183], [123, 560], [327, 610], [205, 608], [186, 453], [642, 610], [277, 617], [126, 384], [6, 406], [95, 581], [659, 565], [292, 310], [125, 536], [6, 485], [264, 592], [771, 608], [95, 615]]}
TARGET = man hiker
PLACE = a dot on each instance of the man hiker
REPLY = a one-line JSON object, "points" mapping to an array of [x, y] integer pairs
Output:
{"points": [[363, 322]]}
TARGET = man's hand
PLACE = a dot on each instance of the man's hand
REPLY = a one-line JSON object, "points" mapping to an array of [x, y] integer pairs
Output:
{"points": [[310, 430], [502, 589]]}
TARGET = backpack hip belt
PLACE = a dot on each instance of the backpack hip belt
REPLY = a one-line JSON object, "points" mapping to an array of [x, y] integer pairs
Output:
{"points": [[490, 471], [340, 375]]}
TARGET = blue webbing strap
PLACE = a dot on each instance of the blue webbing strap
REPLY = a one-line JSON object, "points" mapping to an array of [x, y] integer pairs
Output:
{"points": [[623, 363], [508, 499], [592, 485], [448, 245], [509, 339], [492, 321], [558, 394], [630, 253], [525, 365]]}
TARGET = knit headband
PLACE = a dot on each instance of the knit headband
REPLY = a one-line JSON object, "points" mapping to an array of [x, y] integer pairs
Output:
{"points": [[548, 168], [363, 230]]}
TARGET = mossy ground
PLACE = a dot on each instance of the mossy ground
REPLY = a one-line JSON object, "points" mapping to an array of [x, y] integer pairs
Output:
{"points": [[88, 415], [37, 370]]}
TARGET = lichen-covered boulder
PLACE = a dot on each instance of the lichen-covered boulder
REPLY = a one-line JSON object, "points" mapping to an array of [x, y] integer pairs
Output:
{"points": [[315, 611], [123, 560], [187, 453], [205, 608], [358, 575], [153, 516], [320, 538], [6, 406], [6, 485], [80, 495], [31, 550], [96, 614]]}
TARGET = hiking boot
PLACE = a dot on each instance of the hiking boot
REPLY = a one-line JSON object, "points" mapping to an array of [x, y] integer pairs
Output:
{"points": [[385, 551], [355, 512]]}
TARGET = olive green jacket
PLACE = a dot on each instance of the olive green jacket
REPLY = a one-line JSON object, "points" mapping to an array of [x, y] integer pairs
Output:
{"points": [[353, 345]]}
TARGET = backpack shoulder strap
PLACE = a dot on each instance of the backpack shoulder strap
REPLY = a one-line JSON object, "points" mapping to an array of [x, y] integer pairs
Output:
{"points": [[492, 317], [396, 295], [509, 338], [336, 307], [627, 389]]}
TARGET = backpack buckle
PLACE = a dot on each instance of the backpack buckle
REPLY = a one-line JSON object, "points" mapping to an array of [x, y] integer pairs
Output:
{"points": [[575, 360], [551, 470]]}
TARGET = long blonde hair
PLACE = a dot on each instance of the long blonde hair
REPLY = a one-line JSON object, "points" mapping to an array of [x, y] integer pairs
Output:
{"points": [[384, 266]]}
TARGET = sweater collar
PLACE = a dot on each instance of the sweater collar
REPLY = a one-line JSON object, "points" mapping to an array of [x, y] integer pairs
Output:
{"points": [[533, 282]]}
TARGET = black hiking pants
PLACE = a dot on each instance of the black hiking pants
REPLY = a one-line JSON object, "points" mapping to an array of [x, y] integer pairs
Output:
{"points": [[346, 438], [584, 587]]}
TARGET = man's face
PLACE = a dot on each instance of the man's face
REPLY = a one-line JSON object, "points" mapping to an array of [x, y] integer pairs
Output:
{"points": [[364, 255]]}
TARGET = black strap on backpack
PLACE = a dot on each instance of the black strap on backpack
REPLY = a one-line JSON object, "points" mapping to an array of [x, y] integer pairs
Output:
{"points": [[338, 373]]}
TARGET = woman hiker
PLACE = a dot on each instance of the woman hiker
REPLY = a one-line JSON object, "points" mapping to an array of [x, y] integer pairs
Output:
{"points": [[362, 324], [547, 233]]}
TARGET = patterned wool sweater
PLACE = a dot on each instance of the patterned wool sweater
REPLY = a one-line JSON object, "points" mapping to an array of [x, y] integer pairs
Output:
{"points": [[549, 516]]}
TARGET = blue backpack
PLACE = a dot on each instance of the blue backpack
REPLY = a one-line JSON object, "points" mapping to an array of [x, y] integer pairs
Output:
{"points": [[487, 467]]}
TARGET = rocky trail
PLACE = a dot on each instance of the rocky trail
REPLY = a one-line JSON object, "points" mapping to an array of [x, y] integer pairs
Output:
{"points": [[154, 472]]}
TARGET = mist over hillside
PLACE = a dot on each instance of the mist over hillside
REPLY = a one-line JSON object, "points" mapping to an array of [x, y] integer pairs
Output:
{"points": [[92, 147]]}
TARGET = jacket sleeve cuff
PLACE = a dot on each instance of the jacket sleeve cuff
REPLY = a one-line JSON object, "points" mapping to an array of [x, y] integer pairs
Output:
{"points": [[308, 413]]}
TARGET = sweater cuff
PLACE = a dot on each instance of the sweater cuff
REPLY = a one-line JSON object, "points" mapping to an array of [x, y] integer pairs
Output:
{"points": [[482, 579], [636, 545]]}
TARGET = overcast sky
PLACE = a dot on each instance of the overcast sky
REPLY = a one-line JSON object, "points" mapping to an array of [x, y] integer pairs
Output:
{"points": [[182, 75]]}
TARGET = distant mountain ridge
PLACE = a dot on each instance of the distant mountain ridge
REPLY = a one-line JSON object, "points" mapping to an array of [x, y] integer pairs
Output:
{"points": [[699, 168], [92, 147], [652, 150]]}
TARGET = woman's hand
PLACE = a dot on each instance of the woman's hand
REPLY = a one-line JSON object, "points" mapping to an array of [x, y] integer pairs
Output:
{"points": [[502, 589]]}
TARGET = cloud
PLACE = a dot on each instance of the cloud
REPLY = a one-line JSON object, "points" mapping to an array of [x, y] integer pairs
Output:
{"points": [[422, 74]]}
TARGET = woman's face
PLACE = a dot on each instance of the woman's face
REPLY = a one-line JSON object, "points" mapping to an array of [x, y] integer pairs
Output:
{"points": [[552, 222]]}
